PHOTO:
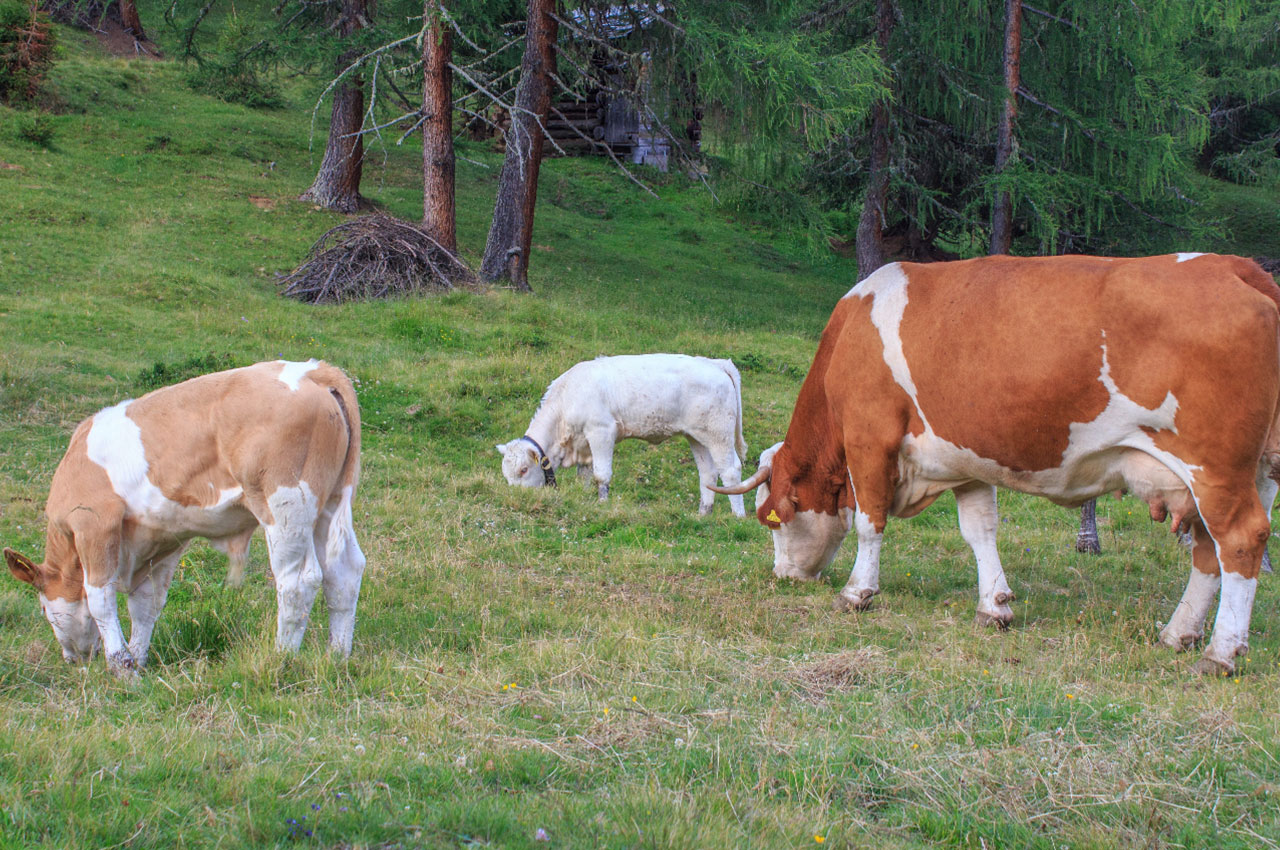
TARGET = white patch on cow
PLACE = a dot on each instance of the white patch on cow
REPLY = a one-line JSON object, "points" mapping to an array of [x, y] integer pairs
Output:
{"points": [[73, 626], [292, 372], [1186, 626], [1231, 628], [804, 547], [1110, 452], [114, 443], [1183, 257]]}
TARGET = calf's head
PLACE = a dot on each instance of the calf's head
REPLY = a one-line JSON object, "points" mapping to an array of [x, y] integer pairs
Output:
{"points": [[809, 519], [63, 604], [520, 463]]}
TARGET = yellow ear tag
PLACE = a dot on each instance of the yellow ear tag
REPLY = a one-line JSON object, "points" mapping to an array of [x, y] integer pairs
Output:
{"points": [[773, 516]]}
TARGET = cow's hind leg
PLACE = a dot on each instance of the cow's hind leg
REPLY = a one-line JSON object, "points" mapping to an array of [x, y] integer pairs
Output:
{"points": [[1186, 626], [146, 600], [976, 509], [342, 564], [1239, 527], [706, 476], [728, 466], [236, 549], [294, 561]]}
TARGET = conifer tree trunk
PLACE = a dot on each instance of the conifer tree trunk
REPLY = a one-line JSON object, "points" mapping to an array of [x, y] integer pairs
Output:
{"points": [[337, 183], [438, 212], [1007, 142], [129, 18], [870, 239], [506, 254]]}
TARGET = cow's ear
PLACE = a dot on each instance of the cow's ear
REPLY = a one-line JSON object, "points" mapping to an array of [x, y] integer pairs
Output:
{"points": [[24, 569], [502, 448], [773, 512], [533, 456]]}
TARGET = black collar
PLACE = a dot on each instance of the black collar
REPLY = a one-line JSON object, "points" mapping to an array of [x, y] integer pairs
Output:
{"points": [[548, 473]]}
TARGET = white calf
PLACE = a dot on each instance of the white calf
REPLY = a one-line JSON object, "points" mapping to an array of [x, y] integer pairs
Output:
{"points": [[645, 396]]}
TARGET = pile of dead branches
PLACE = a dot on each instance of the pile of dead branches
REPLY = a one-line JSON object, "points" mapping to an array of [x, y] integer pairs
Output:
{"points": [[374, 256], [1269, 264]]}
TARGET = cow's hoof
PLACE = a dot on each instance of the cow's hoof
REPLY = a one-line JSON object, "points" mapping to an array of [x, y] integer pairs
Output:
{"points": [[122, 664], [1000, 618], [703, 510], [1207, 666], [859, 600], [1179, 641]]}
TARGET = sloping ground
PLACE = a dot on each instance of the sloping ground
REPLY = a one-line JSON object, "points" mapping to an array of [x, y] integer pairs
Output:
{"points": [[624, 675]]}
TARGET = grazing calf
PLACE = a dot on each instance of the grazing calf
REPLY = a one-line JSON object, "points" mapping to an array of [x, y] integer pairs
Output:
{"points": [[644, 396], [276, 445], [1065, 377]]}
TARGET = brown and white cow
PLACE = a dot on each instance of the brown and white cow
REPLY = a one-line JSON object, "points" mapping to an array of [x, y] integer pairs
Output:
{"points": [[1065, 377], [276, 444]]}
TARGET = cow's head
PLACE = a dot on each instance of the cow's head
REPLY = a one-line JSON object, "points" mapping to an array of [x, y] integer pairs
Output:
{"points": [[63, 604], [809, 518], [520, 463]]}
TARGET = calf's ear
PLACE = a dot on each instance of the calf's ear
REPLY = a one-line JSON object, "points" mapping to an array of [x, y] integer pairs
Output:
{"points": [[23, 568]]}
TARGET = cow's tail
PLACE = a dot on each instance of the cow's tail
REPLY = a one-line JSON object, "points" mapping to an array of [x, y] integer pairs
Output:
{"points": [[341, 532], [732, 371]]}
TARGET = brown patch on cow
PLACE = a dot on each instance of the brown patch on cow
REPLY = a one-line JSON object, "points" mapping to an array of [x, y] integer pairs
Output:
{"points": [[973, 335], [263, 203]]}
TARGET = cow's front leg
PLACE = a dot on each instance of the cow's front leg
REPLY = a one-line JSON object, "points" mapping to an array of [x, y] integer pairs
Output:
{"points": [[106, 613], [146, 601], [601, 441], [864, 581], [1186, 626], [976, 509], [97, 543]]}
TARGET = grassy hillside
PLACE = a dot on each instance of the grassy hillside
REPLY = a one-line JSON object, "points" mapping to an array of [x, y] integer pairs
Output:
{"points": [[623, 675]]}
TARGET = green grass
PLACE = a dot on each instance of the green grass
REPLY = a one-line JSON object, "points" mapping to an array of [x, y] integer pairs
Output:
{"points": [[622, 675]]}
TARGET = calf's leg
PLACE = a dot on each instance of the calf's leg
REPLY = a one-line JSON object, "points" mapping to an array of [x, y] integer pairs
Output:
{"points": [[146, 600], [342, 565], [706, 477], [294, 562], [601, 441], [729, 467], [99, 551]]}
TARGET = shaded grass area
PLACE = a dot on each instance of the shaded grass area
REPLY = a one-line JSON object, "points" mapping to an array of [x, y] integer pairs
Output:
{"points": [[618, 675]]}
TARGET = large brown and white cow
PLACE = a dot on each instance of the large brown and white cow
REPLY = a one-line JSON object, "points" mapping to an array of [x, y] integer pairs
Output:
{"points": [[1065, 377], [276, 444]]}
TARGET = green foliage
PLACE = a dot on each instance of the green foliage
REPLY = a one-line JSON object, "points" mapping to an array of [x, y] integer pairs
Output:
{"points": [[26, 50], [161, 374], [239, 69], [36, 128]]}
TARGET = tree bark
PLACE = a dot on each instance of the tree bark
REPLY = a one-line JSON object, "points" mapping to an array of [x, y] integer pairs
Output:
{"points": [[506, 254], [870, 239], [129, 18], [337, 183], [438, 212], [1007, 142]]}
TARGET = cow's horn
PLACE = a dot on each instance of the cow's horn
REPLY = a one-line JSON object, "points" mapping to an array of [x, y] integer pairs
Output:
{"points": [[761, 476]]}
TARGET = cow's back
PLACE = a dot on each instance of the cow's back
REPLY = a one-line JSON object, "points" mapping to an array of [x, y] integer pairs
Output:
{"points": [[648, 395]]}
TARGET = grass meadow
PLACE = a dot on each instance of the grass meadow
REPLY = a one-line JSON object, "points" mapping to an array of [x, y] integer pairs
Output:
{"points": [[623, 675]]}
